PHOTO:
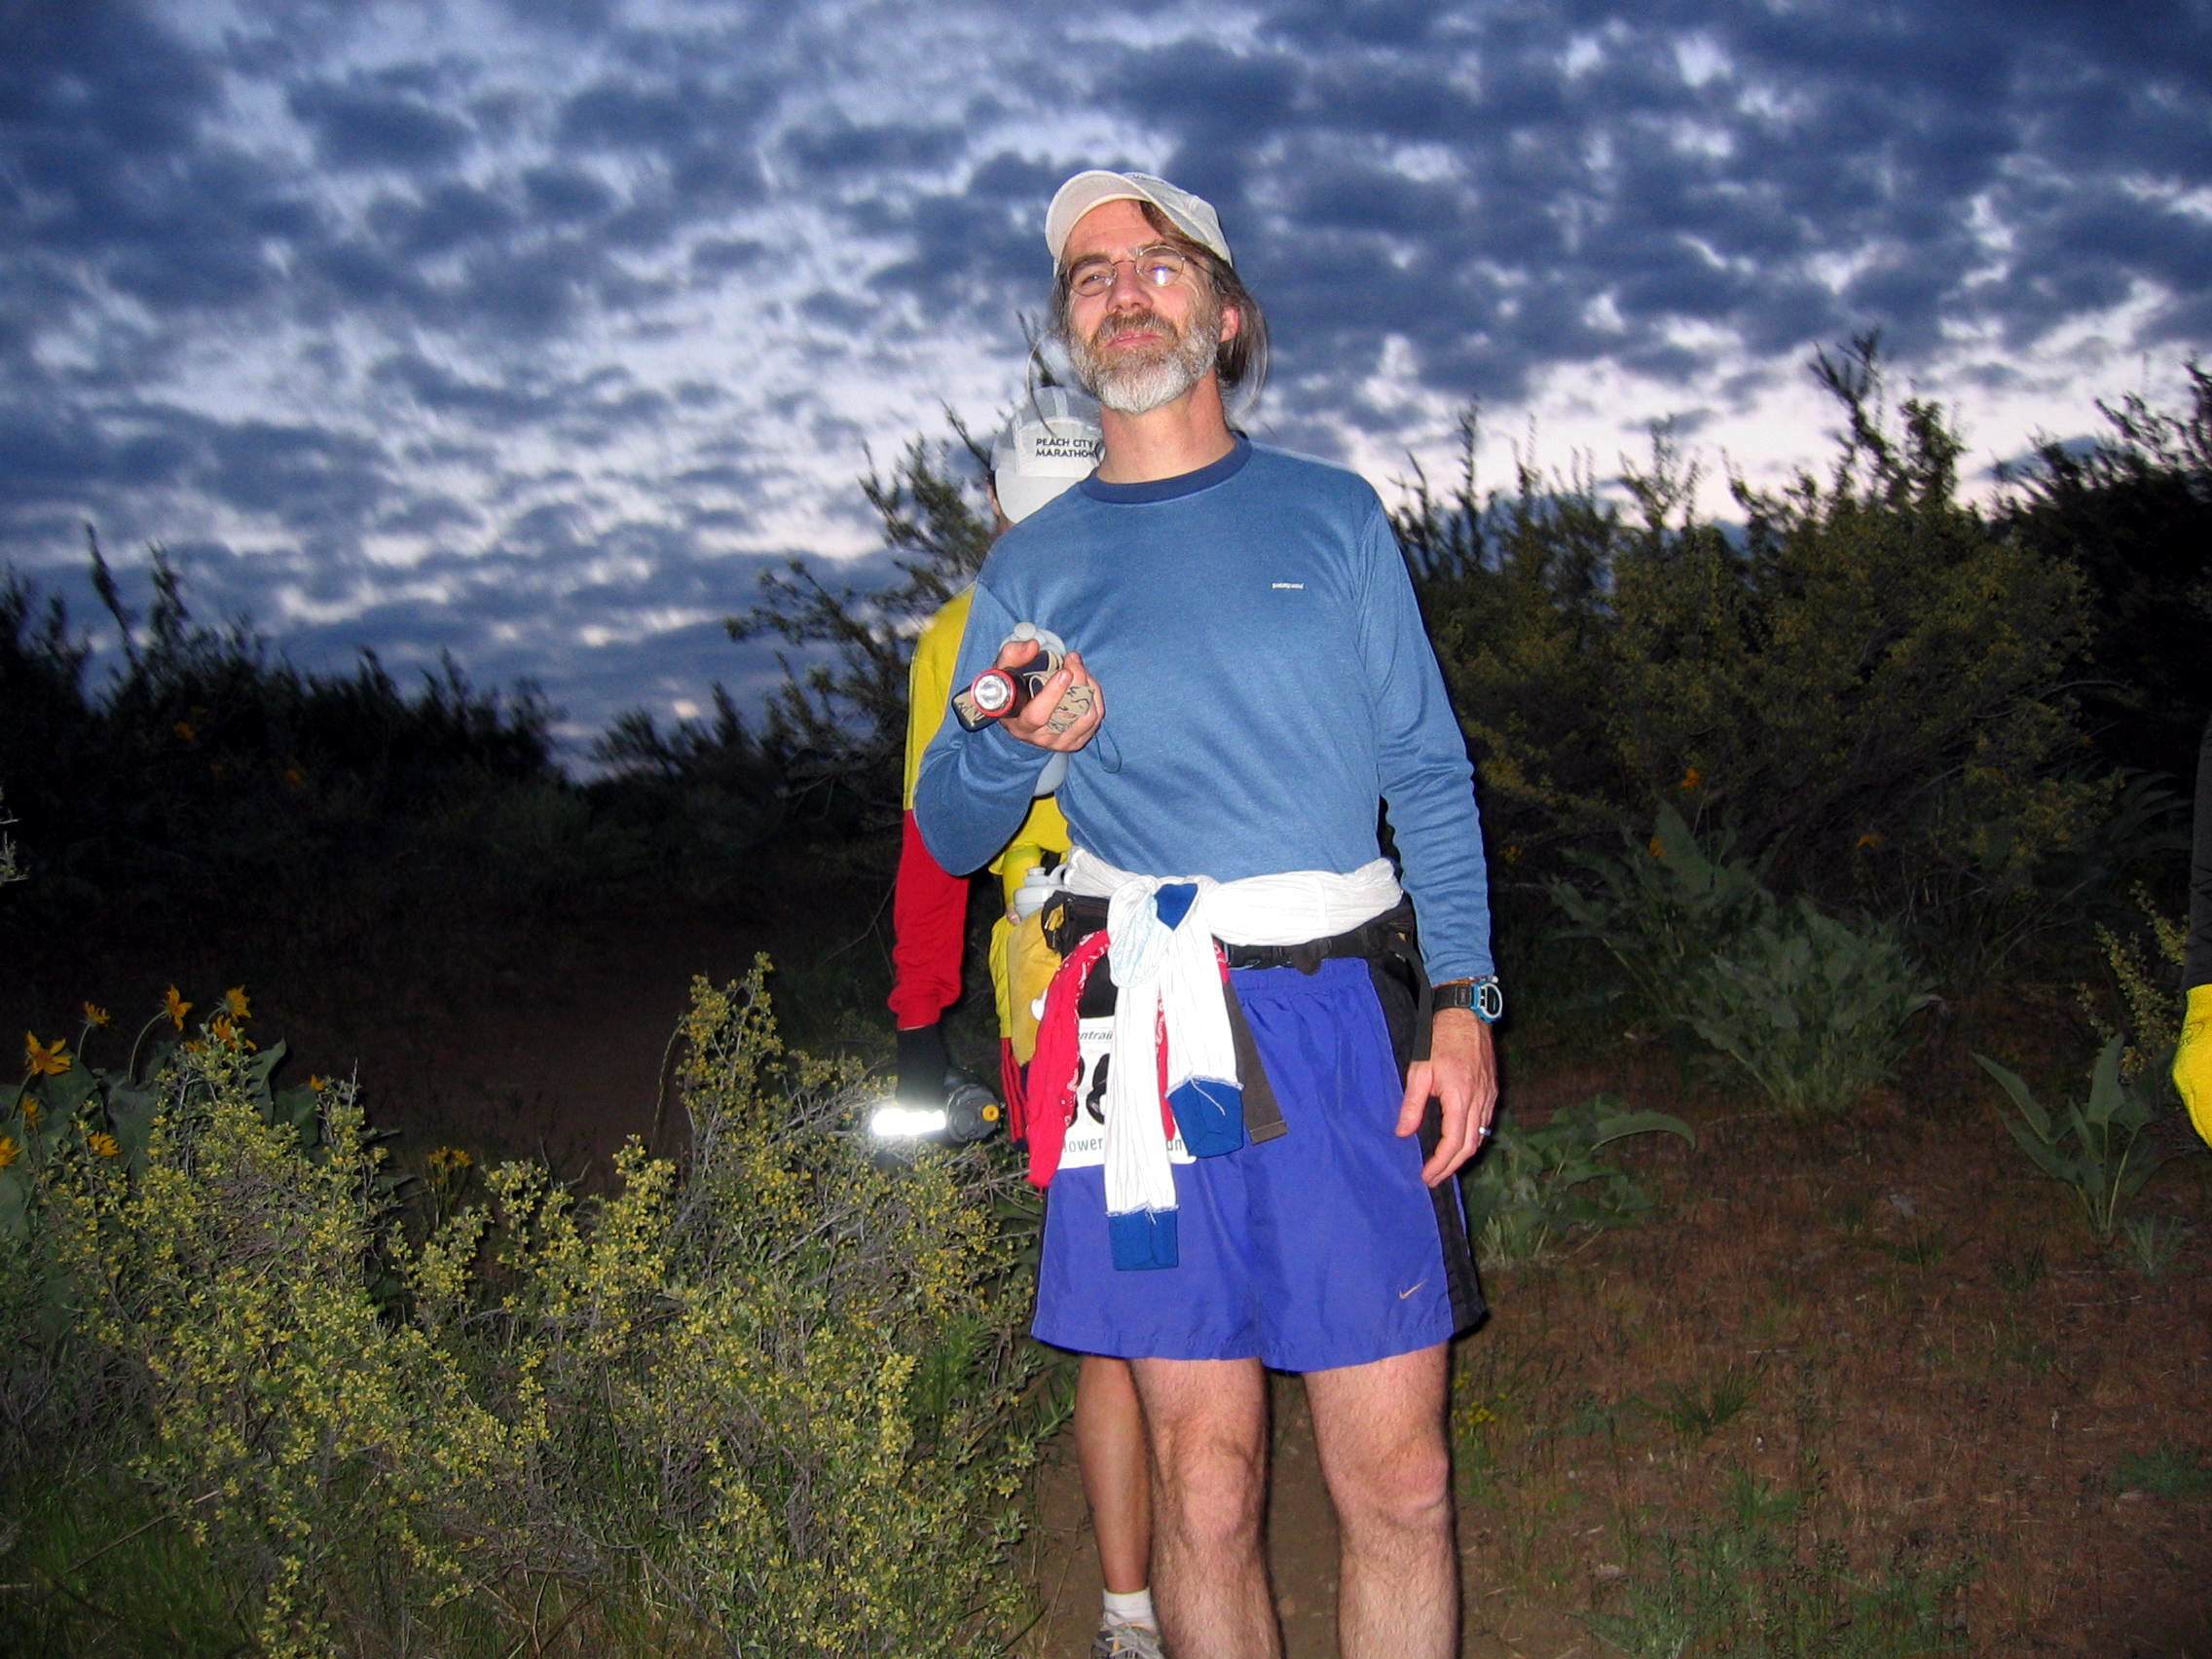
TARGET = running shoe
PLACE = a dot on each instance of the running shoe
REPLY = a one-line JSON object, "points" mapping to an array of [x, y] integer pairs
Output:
{"points": [[1117, 1641]]}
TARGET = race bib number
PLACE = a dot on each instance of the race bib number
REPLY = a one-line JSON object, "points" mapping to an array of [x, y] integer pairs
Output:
{"points": [[1085, 1143]]}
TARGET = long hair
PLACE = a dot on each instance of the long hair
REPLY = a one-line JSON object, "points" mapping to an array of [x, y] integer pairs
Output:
{"points": [[1242, 362]]}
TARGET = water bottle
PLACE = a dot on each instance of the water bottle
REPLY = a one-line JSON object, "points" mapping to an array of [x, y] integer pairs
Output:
{"points": [[1038, 884]]}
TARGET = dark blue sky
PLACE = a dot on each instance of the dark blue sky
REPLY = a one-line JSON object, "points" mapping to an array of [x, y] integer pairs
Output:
{"points": [[529, 329]]}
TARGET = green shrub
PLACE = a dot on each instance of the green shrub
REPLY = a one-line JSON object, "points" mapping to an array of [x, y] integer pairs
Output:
{"points": [[1870, 679], [770, 1402], [1533, 1186], [2154, 1242], [1668, 909], [1813, 1009], [2132, 511], [2097, 1146]]}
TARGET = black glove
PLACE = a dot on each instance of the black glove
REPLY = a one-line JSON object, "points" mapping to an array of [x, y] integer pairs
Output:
{"points": [[922, 1065]]}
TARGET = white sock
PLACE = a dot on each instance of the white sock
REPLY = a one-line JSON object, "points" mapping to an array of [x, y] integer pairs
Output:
{"points": [[1134, 1608]]}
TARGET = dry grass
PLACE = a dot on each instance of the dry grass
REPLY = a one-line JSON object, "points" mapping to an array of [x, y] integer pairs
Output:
{"points": [[1936, 1365]]}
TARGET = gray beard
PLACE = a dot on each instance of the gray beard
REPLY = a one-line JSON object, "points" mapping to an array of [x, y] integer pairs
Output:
{"points": [[1139, 385]]}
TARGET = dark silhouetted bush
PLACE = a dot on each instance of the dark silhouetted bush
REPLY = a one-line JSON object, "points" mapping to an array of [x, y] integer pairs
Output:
{"points": [[1866, 683]]}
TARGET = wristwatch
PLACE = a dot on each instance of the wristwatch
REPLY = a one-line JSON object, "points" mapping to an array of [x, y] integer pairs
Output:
{"points": [[1484, 996]]}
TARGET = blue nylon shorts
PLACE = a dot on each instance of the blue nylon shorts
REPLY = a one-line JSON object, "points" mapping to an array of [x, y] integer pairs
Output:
{"points": [[1315, 1249]]}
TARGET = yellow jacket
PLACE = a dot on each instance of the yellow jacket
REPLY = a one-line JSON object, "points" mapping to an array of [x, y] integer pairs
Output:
{"points": [[1045, 831]]}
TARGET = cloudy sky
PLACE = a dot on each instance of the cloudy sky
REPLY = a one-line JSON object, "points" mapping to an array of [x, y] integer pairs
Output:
{"points": [[532, 329]]}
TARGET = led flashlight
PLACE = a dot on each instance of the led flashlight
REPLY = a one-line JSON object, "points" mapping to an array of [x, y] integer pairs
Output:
{"points": [[970, 1113]]}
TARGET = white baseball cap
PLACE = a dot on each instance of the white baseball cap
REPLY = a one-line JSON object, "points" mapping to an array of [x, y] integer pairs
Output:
{"points": [[1193, 215], [1052, 442]]}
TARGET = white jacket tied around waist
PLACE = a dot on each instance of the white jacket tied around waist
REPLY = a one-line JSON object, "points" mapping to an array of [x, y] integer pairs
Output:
{"points": [[1169, 990]]}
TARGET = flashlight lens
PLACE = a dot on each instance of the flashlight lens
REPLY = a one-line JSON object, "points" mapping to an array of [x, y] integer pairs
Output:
{"points": [[900, 1122]]}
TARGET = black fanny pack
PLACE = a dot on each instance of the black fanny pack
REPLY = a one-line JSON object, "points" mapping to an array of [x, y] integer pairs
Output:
{"points": [[1389, 944], [1070, 918]]}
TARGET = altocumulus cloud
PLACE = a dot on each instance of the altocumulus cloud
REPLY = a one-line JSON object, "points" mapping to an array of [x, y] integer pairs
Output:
{"points": [[531, 332]]}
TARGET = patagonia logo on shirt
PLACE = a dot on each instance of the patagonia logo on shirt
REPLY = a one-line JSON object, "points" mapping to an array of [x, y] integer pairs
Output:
{"points": [[1298, 587]]}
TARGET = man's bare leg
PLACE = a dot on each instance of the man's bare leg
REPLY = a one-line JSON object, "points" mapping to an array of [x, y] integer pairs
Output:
{"points": [[1209, 1424], [1108, 1441], [1379, 1429]]}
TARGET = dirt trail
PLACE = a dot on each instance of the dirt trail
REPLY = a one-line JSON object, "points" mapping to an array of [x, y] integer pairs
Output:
{"points": [[1062, 1560]]}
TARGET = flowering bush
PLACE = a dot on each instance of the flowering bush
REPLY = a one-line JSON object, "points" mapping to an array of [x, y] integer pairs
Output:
{"points": [[766, 1401]]}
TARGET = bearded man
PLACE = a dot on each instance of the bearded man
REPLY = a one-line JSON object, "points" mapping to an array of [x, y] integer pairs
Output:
{"points": [[1248, 676]]}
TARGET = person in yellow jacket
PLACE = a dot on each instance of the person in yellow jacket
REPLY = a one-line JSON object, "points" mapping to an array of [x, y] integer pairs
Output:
{"points": [[929, 908], [2193, 1061], [1052, 442]]}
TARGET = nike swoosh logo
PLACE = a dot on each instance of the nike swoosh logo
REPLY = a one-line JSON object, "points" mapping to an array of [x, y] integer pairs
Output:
{"points": [[1403, 1294]]}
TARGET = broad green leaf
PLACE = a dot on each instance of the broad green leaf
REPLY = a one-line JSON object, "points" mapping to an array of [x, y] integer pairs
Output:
{"points": [[1613, 1128], [2047, 1156], [65, 1095], [2107, 1093], [2023, 1098]]}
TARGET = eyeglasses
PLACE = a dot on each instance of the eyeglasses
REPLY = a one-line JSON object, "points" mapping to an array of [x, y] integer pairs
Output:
{"points": [[1156, 268]]}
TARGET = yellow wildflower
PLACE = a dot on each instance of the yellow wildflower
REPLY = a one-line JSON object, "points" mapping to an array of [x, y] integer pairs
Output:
{"points": [[1694, 779], [1657, 851], [1873, 838], [185, 733], [9, 1151], [99, 1017], [449, 1171], [31, 1110], [103, 1143], [233, 1000], [1511, 853], [224, 1031], [175, 1007], [47, 1060]]}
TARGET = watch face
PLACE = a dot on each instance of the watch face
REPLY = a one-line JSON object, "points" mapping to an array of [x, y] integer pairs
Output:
{"points": [[1489, 1000], [993, 691], [1482, 996]]}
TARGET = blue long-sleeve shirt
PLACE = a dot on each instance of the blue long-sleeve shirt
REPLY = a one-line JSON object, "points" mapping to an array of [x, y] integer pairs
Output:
{"points": [[1267, 681]]}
